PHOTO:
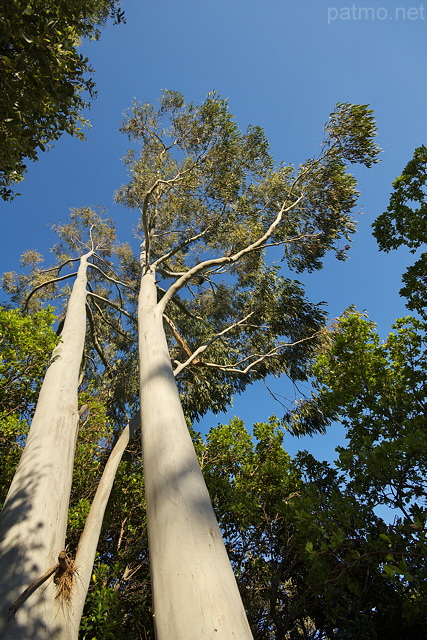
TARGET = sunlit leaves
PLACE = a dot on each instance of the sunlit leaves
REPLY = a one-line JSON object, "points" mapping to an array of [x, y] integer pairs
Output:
{"points": [[352, 128], [26, 344], [212, 202]]}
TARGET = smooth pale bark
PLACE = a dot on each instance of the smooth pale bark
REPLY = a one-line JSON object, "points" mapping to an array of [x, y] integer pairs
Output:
{"points": [[34, 517], [88, 542], [195, 594]]}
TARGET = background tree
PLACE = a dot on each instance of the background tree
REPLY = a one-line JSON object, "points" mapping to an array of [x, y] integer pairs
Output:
{"points": [[308, 551], [405, 223], [26, 343], [377, 390], [43, 78]]}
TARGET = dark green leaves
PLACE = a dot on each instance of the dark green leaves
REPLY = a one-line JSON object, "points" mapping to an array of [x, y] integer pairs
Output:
{"points": [[405, 223], [43, 78]]}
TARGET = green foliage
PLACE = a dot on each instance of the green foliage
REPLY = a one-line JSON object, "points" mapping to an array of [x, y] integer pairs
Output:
{"points": [[103, 620], [311, 557], [353, 127], [212, 202], [405, 223], [43, 76], [377, 390], [26, 344]]}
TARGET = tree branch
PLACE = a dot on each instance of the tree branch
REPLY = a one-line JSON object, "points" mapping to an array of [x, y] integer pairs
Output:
{"points": [[96, 344], [113, 326], [45, 284], [226, 259], [183, 344], [193, 356], [115, 306], [233, 368]]}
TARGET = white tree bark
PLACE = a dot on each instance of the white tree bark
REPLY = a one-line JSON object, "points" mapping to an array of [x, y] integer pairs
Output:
{"points": [[88, 542], [195, 594], [34, 517]]}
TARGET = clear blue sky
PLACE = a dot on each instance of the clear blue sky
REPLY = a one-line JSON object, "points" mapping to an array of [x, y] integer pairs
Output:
{"points": [[282, 65]]}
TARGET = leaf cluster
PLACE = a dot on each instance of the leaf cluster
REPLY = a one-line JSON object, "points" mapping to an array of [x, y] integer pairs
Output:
{"points": [[26, 343], [404, 223], [43, 78]]}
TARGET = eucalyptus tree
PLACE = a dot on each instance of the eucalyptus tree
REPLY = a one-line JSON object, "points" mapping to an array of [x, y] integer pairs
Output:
{"points": [[212, 309], [34, 518]]}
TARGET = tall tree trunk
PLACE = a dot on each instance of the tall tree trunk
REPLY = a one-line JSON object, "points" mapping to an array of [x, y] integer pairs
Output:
{"points": [[195, 594], [33, 521], [88, 542]]}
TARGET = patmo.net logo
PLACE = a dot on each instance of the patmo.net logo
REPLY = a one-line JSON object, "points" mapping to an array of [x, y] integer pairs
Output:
{"points": [[380, 14]]}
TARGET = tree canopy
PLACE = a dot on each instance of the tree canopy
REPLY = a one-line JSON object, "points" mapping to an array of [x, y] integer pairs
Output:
{"points": [[377, 390], [404, 223], [43, 77], [213, 208]]}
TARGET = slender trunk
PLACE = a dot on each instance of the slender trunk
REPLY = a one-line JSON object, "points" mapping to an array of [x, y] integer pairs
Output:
{"points": [[195, 594], [88, 543], [34, 517]]}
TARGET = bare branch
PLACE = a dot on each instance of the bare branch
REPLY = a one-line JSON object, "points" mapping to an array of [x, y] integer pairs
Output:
{"points": [[113, 280], [179, 247], [234, 368], [182, 306], [59, 267], [45, 284], [183, 344], [115, 306], [193, 357], [113, 326]]}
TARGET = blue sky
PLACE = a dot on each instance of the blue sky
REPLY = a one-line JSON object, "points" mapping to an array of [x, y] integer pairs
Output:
{"points": [[282, 65]]}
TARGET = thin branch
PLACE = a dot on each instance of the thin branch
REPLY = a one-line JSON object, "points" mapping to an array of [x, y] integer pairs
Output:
{"points": [[182, 306], [116, 281], [180, 246], [59, 267], [96, 344], [91, 237], [193, 357], [113, 280], [113, 326], [170, 274], [178, 336], [115, 306], [233, 368], [45, 284]]}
